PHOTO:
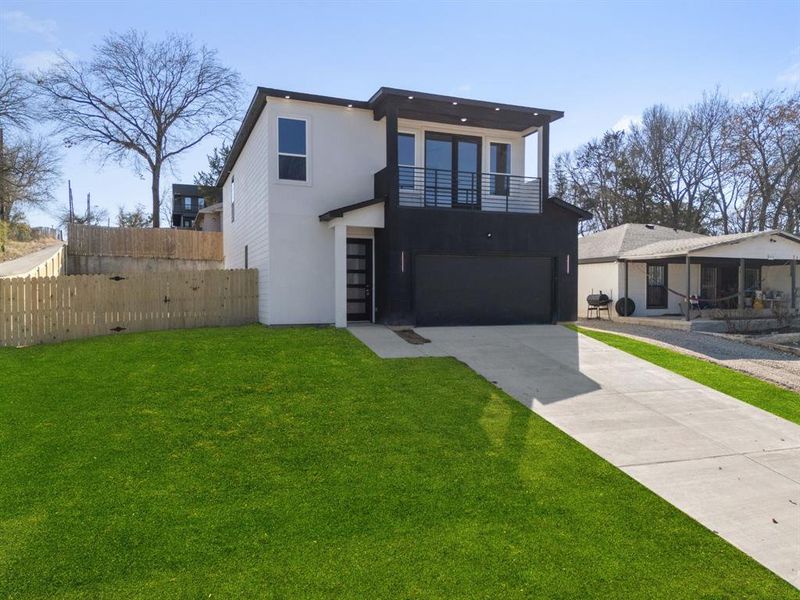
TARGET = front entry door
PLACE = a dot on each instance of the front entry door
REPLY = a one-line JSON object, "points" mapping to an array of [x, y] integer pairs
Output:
{"points": [[359, 279]]}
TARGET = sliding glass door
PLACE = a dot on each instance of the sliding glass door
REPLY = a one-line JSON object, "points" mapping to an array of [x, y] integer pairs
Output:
{"points": [[452, 170]]}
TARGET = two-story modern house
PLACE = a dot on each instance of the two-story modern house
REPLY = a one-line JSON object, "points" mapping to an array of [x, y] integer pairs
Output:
{"points": [[407, 208], [188, 200]]}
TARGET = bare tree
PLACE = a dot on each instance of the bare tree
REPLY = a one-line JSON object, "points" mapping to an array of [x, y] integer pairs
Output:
{"points": [[141, 101], [725, 184], [766, 131], [16, 97], [672, 143], [29, 169], [607, 177]]}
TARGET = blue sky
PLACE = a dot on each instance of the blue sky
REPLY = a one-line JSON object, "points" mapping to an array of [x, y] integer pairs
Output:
{"points": [[601, 63]]}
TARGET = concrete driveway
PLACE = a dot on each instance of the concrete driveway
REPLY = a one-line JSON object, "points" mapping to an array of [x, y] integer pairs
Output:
{"points": [[731, 466]]}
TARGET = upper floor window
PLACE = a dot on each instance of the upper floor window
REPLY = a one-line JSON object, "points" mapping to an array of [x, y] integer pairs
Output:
{"points": [[406, 153], [233, 198], [292, 151], [201, 202], [187, 203], [499, 165]]}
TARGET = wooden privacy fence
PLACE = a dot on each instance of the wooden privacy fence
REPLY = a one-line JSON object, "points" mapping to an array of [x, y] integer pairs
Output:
{"points": [[85, 240], [52, 309]]}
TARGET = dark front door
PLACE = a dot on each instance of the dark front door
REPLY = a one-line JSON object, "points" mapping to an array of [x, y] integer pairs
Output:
{"points": [[359, 280], [452, 170]]}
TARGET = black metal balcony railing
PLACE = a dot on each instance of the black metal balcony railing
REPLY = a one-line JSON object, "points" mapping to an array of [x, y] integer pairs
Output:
{"points": [[441, 188]]}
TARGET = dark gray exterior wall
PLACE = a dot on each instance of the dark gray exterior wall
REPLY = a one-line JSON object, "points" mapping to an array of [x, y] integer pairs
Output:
{"points": [[410, 232]]}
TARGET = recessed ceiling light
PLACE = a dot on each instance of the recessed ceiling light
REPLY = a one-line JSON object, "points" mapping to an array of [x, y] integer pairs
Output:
{"points": [[463, 119], [349, 106], [287, 97], [455, 103], [535, 114], [497, 108], [411, 97]]}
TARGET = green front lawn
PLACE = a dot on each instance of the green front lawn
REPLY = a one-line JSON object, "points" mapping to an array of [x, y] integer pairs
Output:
{"points": [[777, 400], [292, 463]]}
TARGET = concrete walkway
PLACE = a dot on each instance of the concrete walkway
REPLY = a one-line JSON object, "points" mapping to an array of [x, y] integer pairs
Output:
{"points": [[731, 466], [25, 264]]}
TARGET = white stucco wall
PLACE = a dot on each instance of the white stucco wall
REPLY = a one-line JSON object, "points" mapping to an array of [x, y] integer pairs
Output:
{"points": [[594, 278], [610, 277], [250, 226], [346, 147]]}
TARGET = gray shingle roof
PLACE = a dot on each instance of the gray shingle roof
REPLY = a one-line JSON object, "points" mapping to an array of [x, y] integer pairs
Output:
{"points": [[613, 243], [678, 247]]}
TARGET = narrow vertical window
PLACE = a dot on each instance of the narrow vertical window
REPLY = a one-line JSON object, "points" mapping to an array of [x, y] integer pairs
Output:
{"points": [[499, 168], [406, 159], [245, 257], [233, 198], [292, 150]]}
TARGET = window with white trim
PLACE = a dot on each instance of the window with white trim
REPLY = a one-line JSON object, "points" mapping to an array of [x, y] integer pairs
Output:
{"points": [[292, 149], [499, 168], [233, 198]]}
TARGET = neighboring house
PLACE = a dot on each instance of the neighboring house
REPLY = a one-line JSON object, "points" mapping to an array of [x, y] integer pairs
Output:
{"points": [[654, 264], [187, 200], [209, 218], [407, 208]]}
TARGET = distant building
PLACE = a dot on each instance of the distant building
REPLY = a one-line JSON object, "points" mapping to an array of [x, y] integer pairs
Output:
{"points": [[209, 218], [187, 200]]}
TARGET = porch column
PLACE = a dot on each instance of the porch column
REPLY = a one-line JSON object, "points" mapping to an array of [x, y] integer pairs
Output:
{"points": [[793, 267], [340, 274], [688, 287], [740, 299], [625, 303], [544, 160]]}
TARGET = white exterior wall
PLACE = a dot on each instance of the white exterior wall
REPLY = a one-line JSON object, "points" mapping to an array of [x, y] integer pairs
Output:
{"points": [[610, 277], [418, 128], [251, 224], [594, 278], [676, 280], [346, 147], [768, 247]]}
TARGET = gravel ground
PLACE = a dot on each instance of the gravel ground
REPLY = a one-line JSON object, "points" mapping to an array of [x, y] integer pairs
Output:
{"points": [[769, 365]]}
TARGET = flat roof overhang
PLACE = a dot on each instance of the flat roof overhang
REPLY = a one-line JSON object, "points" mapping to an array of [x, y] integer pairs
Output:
{"points": [[452, 110]]}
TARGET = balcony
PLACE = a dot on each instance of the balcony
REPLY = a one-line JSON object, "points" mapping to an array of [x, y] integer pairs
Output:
{"points": [[420, 187]]}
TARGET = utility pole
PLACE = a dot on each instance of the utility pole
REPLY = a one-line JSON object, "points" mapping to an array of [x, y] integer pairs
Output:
{"points": [[71, 206], [88, 209]]}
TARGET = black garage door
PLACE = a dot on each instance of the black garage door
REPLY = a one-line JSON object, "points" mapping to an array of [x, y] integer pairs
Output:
{"points": [[482, 290]]}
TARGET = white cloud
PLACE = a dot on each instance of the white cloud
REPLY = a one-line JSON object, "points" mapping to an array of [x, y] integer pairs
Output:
{"points": [[626, 122], [21, 22], [790, 75], [41, 59]]}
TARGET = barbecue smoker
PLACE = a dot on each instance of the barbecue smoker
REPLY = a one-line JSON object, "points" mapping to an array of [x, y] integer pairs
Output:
{"points": [[596, 303]]}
